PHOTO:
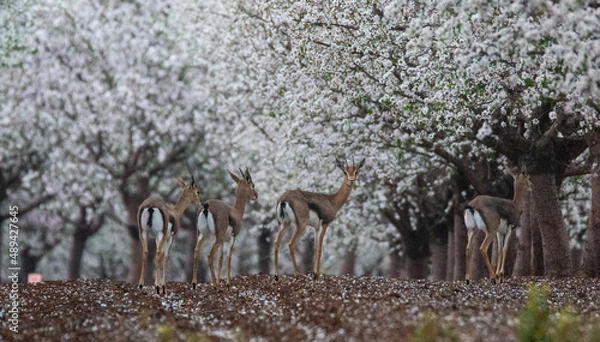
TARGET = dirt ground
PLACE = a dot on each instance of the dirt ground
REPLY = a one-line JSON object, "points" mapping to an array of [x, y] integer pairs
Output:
{"points": [[258, 308]]}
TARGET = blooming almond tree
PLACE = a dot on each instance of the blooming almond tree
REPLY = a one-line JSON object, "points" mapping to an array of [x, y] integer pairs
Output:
{"points": [[120, 94], [457, 80]]}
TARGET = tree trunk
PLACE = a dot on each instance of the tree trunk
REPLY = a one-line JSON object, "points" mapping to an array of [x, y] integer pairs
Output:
{"points": [[576, 258], [460, 244], [523, 236], [264, 241], [202, 263], [416, 252], [450, 253], [347, 267], [28, 263], [591, 252], [77, 248], [555, 240], [478, 268], [537, 248], [242, 259], [307, 256], [396, 264], [439, 253], [1, 231], [511, 256], [135, 266], [438, 248], [131, 202], [87, 225], [416, 268]]}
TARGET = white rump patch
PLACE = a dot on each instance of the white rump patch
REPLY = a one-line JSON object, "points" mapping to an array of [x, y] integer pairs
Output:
{"points": [[289, 214], [469, 219], [473, 219], [479, 221], [155, 229], [206, 224]]}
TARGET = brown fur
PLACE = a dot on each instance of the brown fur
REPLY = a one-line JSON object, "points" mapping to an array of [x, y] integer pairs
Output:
{"points": [[170, 214], [224, 216], [325, 206], [492, 210]]}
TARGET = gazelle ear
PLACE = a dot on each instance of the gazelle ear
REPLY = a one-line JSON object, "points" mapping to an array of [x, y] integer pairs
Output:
{"points": [[234, 177], [509, 171], [339, 164], [361, 164], [181, 182], [247, 175]]}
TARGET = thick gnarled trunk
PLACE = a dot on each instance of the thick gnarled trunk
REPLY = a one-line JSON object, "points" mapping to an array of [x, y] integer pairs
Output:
{"points": [[460, 244], [524, 236], [439, 261], [451, 246], [264, 242], [349, 261], [77, 248], [555, 240], [591, 253]]}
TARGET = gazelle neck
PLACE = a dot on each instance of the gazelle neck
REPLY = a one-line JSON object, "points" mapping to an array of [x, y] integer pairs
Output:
{"points": [[519, 196], [339, 198], [240, 202], [181, 205]]}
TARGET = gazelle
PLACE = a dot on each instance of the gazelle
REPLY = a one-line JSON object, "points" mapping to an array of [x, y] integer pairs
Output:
{"points": [[495, 215], [303, 208], [160, 220], [222, 221]]}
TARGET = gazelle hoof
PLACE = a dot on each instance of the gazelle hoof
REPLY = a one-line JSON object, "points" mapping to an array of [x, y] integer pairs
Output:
{"points": [[157, 289], [140, 286], [194, 286]]}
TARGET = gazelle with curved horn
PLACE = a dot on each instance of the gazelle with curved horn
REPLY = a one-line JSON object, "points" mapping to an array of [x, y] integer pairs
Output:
{"points": [[303, 208], [495, 216], [160, 220], [224, 222]]}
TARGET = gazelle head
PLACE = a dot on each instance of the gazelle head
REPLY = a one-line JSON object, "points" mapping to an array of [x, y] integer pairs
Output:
{"points": [[245, 184], [189, 192], [350, 172], [522, 182]]}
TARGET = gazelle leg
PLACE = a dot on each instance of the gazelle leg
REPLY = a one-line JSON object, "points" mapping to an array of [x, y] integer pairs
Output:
{"points": [[280, 230], [485, 245], [316, 250], [504, 251], [144, 242], [470, 234], [166, 262], [319, 251], [292, 247], [500, 243], [199, 242], [220, 268], [159, 260], [211, 264], [229, 261]]}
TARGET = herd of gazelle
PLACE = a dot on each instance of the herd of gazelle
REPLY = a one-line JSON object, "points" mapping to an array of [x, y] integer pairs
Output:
{"points": [[221, 222]]}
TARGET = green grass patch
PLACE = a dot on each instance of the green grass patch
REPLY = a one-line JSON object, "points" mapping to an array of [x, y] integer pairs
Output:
{"points": [[537, 323]]}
